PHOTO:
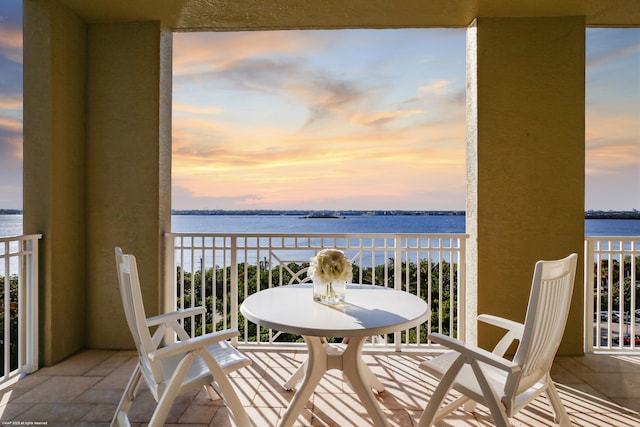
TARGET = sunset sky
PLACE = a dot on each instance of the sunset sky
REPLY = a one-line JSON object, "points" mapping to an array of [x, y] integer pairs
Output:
{"points": [[348, 119]]}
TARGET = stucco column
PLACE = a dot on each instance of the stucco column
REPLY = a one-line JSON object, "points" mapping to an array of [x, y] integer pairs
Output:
{"points": [[53, 186], [525, 161], [128, 168]]}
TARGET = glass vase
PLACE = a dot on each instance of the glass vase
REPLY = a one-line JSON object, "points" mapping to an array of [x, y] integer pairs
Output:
{"points": [[318, 290], [333, 293]]}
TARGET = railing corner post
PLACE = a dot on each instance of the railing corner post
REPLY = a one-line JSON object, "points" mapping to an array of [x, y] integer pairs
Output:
{"points": [[234, 287]]}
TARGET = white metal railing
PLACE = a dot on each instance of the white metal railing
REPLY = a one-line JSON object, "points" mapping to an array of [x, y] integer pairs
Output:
{"points": [[432, 266], [612, 294], [18, 299]]}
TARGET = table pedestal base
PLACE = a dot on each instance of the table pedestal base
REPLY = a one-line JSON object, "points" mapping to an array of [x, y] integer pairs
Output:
{"points": [[323, 357], [332, 349]]}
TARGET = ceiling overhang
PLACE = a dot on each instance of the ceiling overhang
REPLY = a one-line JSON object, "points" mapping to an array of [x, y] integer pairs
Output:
{"points": [[232, 15]]}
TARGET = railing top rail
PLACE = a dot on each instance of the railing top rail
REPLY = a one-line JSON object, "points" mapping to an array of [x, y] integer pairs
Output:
{"points": [[20, 238], [597, 238], [298, 234]]}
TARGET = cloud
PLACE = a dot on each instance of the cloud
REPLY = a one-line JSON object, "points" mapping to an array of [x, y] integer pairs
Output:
{"points": [[302, 171], [613, 55], [302, 119], [384, 117], [182, 196], [10, 103], [10, 82], [610, 160], [612, 141], [10, 162], [11, 41], [321, 93], [271, 148], [201, 53], [191, 109], [10, 140], [438, 86], [613, 188], [611, 45], [294, 130]]}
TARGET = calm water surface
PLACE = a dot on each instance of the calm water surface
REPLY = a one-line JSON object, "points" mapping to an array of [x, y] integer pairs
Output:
{"points": [[11, 225]]}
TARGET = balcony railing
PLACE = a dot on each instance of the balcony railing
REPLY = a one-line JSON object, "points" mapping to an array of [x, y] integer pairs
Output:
{"points": [[18, 299], [612, 295], [220, 270], [432, 266]]}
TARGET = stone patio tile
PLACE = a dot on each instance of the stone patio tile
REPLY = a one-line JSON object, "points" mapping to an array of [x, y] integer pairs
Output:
{"points": [[100, 413], [54, 413], [593, 392], [111, 364], [628, 404], [99, 396], [259, 416], [10, 411], [615, 384], [119, 377], [58, 389], [198, 414], [78, 364], [604, 420]]}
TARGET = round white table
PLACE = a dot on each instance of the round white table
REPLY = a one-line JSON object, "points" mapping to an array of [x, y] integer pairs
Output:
{"points": [[367, 311]]}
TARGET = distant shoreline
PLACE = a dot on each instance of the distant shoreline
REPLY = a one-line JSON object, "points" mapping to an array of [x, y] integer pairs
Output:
{"points": [[319, 213], [591, 214], [634, 214]]}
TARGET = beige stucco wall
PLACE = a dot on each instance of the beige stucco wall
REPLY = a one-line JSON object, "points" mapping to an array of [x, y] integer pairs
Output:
{"points": [[128, 174], [54, 128], [525, 161]]}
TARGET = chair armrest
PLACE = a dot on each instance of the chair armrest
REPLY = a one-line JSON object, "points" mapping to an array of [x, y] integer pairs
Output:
{"points": [[474, 353], [174, 315], [503, 323], [191, 344], [514, 331]]}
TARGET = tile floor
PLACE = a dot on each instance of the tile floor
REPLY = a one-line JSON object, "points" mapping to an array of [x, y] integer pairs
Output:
{"points": [[598, 390]]}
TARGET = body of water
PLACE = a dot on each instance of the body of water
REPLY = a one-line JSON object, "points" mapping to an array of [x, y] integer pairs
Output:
{"points": [[293, 224], [11, 225]]}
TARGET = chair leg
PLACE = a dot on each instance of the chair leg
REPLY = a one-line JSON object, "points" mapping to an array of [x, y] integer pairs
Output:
{"points": [[120, 417], [561, 417], [225, 389], [470, 405], [171, 391], [213, 394], [491, 398], [431, 413]]}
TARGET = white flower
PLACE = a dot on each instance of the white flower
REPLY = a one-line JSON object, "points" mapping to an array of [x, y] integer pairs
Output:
{"points": [[330, 265]]}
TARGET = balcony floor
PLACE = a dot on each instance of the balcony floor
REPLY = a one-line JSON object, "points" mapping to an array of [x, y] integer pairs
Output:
{"points": [[597, 390]]}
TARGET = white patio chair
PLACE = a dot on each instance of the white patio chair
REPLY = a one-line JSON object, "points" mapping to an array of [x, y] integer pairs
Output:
{"points": [[506, 386], [170, 369]]}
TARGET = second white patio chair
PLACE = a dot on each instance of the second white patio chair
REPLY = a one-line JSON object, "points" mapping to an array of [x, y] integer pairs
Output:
{"points": [[506, 386], [170, 369]]}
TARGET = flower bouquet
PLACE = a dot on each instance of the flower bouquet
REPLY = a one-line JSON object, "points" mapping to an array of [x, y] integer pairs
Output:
{"points": [[330, 271]]}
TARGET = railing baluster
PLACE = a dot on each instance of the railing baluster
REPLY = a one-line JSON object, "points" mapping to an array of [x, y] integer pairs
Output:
{"points": [[603, 332], [393, 260], [234, 285], [19, 267], [6, 342]]}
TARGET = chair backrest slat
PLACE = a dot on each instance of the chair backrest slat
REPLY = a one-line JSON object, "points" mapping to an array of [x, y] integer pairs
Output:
{"points": [[545, 321], [132, 302]]}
